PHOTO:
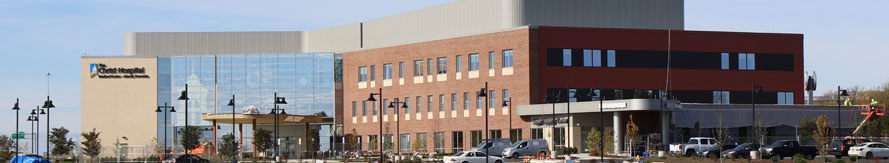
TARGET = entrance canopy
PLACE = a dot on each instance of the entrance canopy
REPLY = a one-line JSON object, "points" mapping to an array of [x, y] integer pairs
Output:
{"points": [[261, 118], [740, 115]]}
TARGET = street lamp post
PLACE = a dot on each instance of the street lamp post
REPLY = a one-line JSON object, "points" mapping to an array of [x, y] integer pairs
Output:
{"points": [[601, 122], [276, 111], [184, 96], [37, 135], [395, 106], [16, 108], [47, 105], [840, 93], [483, 93], [379, 137], [32, 119], [571, 93], [232, 104], [553, 99], [753, 92], [162, 109], [507, 104]]}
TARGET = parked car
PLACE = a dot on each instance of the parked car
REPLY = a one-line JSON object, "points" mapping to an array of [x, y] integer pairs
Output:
{"points": [[527, 148], [870, 150], [694, 145], [495, 147], [471, 157], [788, 148], [740, 151], [187, 158], [840, 147], [717, 152]]}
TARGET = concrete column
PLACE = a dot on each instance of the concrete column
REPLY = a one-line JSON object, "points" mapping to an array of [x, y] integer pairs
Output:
{"points": [[665, 129], [618, 133]]}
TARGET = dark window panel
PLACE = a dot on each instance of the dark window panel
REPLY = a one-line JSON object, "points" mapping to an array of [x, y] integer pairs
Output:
{"points": [[554, 57], [776, 62]]}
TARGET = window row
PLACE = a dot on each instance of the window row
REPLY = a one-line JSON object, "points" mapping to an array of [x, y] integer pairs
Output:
{"points": [[408, 143], [441, 65], [677, 59], [418, 103], [560, 95]]}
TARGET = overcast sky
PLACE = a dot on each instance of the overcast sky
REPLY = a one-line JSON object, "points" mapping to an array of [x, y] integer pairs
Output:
{"points": [[844, 42]]}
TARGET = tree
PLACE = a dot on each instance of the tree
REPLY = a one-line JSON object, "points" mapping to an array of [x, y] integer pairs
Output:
{"points": [[593, 141], [632, 130], [262, 140], [91, 144], [60, 141], [7, 147], [758, 130], [190, 139], [823, 131], [721, 133], [353, 139], [228, 146]]}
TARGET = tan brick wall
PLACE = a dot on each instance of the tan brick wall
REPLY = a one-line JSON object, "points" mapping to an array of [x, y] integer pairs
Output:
{"points": [[518, 84]]}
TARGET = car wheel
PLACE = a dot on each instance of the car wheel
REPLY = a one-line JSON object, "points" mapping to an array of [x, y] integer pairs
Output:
{"points": [[515, 156], [498, 161], [689, 153], [810, 156], [869, 155], [465, 162], [838, 156]]}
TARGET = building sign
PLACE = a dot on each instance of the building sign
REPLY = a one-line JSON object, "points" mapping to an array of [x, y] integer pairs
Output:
{"points": [[104, 72]]}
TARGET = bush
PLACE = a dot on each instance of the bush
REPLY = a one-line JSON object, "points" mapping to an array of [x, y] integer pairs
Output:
{"points": [[826, 159], [662, 157], [840, 161], [798, 158], [853, 158], [774, 159], [565, 150]]}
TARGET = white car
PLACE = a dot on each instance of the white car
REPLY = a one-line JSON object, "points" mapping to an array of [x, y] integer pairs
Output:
{"points": [[870, 150], [471, 157]]}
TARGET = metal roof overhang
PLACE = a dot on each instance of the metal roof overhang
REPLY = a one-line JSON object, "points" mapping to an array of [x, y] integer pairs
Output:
{"points": [[593, 107], [261, 118]]}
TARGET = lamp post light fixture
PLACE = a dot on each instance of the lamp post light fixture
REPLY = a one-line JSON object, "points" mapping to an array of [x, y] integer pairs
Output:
{"points": [[753, 92], [163, 110], [276, 112], [232, 104], [184, 96], [394, 105], [32, 119], [47, 105], [379, 137], [16, 108], [482, 93], [507, 104], [840, 93]]}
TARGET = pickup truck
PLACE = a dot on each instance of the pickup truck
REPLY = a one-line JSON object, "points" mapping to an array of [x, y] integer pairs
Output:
{"points": [[694, 145], [788, 148]]}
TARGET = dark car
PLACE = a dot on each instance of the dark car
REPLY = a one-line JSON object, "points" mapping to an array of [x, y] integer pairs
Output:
{"points": [[840, 147], [189, 158], [788, 148], [740, 151], [715, 153]]}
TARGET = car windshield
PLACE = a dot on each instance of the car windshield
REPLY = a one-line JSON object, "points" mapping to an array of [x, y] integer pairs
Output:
{"points": [[519, 144], [484, 145], [458, 154], [777, 144], [742, 146]]}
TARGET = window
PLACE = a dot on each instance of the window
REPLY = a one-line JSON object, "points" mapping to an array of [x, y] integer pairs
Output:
{"points": [[473, 62], [400, 69], [363, 108], [373, 72], [405, 142], [491, 60], [421, 142], [388, 142], [429, 103], [362, 74], [506, 95], [536, 133], [515, 135], [507, 58], [385, 109], [407, 102], [354, 108], [475, 137], [725, 61], [373, 142], [418, 67], [611, 59], [566, 57], [495, 134], [387, 68], [456, 141], [559, 136], [785, 98], [478, 101], [572, 95], [429, 67], [493, 99], [746, 61], [419, 104], [721, 97], [374, 107], [587, 58], [441, 102], [465, 100], [597, 58], [453, 102], [442, 65], [438, 142], [459, 63]]}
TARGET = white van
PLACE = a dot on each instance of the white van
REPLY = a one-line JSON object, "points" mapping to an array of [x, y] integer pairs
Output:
{"points": [[527, 148]]}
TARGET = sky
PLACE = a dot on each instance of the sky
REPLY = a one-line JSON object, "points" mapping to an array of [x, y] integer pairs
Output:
{"points": [[844, 41]]}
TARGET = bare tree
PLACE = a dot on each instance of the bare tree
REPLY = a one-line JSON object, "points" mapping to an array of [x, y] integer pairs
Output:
{"points": [[823, 132], [720, 132]]}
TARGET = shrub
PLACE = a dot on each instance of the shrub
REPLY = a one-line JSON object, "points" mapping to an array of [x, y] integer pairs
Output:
{"points": [[774, 159], [662, 157], [853, 158], [798, 158], [840, 161]]}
